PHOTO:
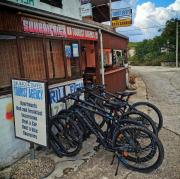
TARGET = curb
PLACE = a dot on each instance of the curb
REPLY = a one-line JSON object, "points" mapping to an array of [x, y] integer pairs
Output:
{"points": [[141, 90]]}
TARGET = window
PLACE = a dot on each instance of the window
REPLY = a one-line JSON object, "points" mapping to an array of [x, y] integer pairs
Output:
{"points": [[75, 70], [33, 58], [56, 3], [9, 65], [55, 58]]}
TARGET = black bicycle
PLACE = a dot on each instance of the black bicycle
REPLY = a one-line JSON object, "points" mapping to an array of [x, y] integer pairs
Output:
{"points": [[121, 100], [115, 108], [134, 145]]}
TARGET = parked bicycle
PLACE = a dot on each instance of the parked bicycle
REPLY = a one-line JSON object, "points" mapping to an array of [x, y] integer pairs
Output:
{"points": [[120, 101], [133, 145]]}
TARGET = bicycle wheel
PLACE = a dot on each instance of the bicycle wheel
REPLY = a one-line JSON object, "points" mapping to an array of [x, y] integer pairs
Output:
{"points": [[142, 118], [136, 152], [76, 118], [65, 136], [151, 110]]}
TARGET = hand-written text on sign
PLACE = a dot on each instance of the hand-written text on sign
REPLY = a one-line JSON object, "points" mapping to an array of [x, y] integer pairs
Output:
{"points": [[30, 110]]}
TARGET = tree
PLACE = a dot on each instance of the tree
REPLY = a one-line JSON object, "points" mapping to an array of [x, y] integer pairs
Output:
{"points": [[149, 51]]}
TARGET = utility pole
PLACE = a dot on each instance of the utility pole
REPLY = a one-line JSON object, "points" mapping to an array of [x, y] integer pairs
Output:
{"points": [[102, 57], [110, 12], [177, 44]]}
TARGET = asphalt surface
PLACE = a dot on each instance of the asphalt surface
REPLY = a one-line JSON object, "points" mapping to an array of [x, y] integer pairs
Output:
{"points": [[163, 89]]}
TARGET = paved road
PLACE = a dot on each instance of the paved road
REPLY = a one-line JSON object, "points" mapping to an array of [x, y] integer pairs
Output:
{"points": [[163, 89]]}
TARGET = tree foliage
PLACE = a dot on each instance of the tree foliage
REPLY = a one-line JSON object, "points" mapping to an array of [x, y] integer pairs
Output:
{"points": [[148, 52]]}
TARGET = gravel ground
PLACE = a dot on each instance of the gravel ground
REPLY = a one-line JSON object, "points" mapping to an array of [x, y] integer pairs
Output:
{"points": [[32, 169]]}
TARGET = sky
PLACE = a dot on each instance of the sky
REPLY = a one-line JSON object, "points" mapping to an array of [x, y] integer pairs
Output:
{"points": [[148, 17]]}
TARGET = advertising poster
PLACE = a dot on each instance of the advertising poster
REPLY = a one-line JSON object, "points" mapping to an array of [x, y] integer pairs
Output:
{"points": [[29, 104], [75, 50], [68, 51]]}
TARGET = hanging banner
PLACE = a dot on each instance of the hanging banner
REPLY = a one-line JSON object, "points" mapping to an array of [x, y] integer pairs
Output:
{"points": [[30, 110]]}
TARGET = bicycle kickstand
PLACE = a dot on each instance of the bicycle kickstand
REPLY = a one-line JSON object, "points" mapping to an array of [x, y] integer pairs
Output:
{"points": [[117, 168], [113, 159]]}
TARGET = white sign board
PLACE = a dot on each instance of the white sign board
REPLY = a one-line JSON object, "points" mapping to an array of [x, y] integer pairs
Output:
{"points": [[29, 103], [86, 10], [123, 12]]}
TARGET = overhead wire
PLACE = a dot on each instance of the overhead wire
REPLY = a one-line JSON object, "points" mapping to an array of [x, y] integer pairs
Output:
{"points": [[141, 28]]}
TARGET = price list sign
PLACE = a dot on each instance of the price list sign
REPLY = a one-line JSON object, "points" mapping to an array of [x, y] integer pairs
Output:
{"points": [[30, 110]]}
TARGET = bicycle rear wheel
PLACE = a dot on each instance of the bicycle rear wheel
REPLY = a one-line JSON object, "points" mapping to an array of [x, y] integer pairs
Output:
{"points": [[136, 152]]}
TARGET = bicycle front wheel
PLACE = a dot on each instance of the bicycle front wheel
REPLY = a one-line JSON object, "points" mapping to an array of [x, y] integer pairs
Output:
{"points": [[65, 136], [136, 152]]}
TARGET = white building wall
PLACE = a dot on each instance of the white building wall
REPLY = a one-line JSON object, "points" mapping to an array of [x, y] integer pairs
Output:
{"points": [[10, 147], [71, 8]]}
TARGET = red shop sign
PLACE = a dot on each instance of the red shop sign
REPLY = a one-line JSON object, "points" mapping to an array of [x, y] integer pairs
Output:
{"points": [[75, 33], [31, 25], [43, 27]]}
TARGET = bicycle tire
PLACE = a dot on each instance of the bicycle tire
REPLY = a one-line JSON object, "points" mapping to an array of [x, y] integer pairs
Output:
{"points": [[142, 118], [126, 161], [77, 120], [154, 108], [65, 136]]}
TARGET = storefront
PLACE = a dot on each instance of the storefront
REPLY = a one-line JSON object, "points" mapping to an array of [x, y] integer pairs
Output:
{"points": [[39, 48], [112, 54], [55, 50]]}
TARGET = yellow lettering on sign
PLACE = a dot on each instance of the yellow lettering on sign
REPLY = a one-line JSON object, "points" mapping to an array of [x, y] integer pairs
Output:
{"points": [[121, 23]]}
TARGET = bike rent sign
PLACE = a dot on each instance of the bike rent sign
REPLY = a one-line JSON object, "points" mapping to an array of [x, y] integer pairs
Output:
{"points": [[30, 110]]}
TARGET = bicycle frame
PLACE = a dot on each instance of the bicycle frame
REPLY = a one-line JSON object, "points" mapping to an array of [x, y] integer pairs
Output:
{"points": [[105, 138]]}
